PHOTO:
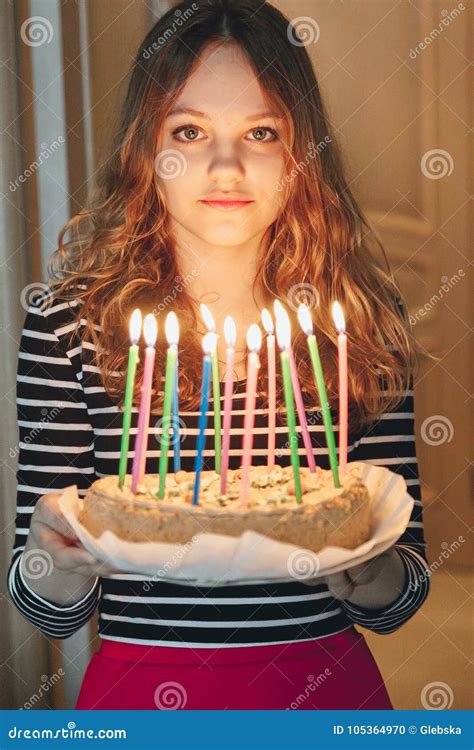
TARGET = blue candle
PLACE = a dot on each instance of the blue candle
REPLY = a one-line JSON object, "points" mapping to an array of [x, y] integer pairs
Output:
{"points": [[176, 440], [209, 345]]}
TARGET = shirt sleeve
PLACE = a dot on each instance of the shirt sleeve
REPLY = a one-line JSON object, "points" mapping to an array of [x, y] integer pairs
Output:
{"points": [[55, 450], [390, 442]]}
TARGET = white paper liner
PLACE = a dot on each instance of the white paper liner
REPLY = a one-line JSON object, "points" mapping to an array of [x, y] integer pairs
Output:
{"points": [[251, 557]]}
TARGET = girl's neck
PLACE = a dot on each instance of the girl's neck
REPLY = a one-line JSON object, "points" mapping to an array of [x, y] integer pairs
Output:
{"points": [[220, 277]]}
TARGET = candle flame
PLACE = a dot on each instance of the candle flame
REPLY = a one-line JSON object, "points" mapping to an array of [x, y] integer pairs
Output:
{"points": [[254, 338], [172, 329], [150, 329], [283, 327], [338, 315], [267, 321], [209, 342], [207, 317], [230, 331], [304, 317], [135, 325], [277, 307]]}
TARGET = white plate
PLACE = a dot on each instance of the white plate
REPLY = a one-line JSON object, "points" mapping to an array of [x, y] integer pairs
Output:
{"points": [[214, 559]]}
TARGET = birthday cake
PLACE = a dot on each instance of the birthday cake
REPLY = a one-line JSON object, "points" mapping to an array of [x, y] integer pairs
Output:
{"points": [[325, 516]]}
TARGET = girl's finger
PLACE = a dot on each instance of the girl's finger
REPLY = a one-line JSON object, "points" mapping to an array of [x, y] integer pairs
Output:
{"points": [[370, 570], [340, 585], [53, 540], [69, 558], [51, 516]]}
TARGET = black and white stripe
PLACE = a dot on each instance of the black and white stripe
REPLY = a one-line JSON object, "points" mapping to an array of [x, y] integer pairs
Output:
{"points": [[69, 432]]}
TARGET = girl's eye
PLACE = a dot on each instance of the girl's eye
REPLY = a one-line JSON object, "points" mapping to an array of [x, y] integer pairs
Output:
{"points": [[191, 129], [261, 132], [191, 132]]}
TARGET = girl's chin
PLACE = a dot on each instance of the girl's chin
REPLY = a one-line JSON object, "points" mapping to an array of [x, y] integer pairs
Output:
{"points": [[225, 238]]}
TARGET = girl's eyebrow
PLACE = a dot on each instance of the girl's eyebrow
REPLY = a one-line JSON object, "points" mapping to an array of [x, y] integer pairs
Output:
{"points": [[197, 113]]}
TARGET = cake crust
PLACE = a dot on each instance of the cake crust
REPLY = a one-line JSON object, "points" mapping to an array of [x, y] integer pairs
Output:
{"points": [[326, 516]]}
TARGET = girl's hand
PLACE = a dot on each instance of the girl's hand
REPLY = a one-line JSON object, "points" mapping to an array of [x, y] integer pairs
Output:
{"points": [[50, 532], [372, 584]]}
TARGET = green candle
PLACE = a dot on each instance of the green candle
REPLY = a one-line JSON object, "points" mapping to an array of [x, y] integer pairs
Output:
{"points": [[283, 338], [172, 335], [133, 360], [306, 323], [216, 389]]}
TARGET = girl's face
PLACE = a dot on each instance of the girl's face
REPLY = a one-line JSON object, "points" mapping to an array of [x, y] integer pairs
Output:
{"points": [[229, 144]]}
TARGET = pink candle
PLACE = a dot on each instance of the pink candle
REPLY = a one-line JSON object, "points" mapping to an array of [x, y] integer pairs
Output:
{"points": [[340, 323], [300, 405], [268, 325], [254, 341], [139, 458], [230, 335]]}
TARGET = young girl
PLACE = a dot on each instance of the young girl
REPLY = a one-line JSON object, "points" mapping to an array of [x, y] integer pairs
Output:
{"points": [[225, 186]]}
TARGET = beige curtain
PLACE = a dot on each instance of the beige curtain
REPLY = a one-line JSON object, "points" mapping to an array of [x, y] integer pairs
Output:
{"points": [[24, 653], [69, 86]]}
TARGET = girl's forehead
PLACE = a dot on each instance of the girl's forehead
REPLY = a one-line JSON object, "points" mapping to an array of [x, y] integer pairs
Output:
{"points": [[223, 75], [224, 103]]}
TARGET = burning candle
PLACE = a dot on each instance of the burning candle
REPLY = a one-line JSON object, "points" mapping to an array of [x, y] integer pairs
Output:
{"points": [[254, 341], [304, 317], [268, 325], [139, 459], [216, 391], [208, 344], [299, 403], [175, 409], [340, 324], [283, 332], [230, 335], [135, 327], [172, 337]]}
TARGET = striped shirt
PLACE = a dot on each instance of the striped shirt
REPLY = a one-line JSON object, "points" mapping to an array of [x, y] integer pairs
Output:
{"points": [[70, 432]]}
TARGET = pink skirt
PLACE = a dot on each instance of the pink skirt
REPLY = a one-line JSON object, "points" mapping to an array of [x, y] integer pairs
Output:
{"points": [[336, 672]]}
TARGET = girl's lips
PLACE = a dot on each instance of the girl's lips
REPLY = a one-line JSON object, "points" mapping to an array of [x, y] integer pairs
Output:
{"points": [[227, 205]]}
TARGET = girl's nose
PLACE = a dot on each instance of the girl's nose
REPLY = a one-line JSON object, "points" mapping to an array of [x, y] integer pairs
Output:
{"points": [[226, 165]]}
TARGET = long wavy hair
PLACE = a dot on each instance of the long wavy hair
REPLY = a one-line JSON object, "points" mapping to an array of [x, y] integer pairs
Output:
{"points": [[121, 252]]}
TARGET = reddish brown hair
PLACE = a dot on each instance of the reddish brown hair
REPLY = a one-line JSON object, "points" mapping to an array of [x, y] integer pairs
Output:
{"points": [[120, 254]]}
